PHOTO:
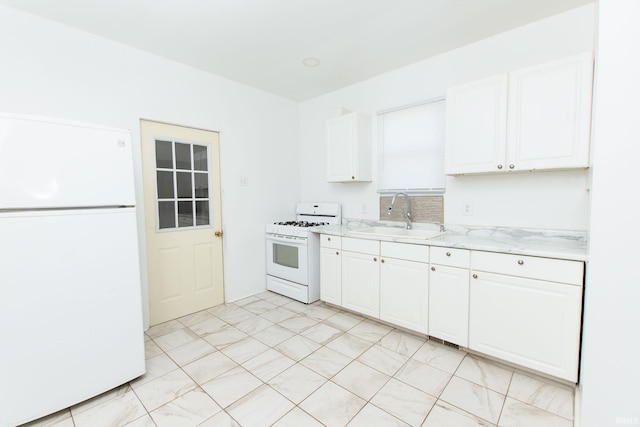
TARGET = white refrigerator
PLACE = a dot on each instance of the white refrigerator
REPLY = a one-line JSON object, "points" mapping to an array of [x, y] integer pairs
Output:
{"points": [[70, 303]]}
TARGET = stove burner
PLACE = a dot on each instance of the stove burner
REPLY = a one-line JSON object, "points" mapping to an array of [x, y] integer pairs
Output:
{"points": [[301, 223]]}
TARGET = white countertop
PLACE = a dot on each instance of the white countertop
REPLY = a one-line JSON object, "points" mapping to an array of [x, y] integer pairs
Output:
{"points": [[570, 245]]}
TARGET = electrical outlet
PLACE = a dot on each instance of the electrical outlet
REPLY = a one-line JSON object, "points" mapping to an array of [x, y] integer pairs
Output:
{"points": [[467, 209], [244, 181]]}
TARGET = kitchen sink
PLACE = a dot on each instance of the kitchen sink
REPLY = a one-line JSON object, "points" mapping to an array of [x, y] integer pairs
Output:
{"points": [[397, 232]]}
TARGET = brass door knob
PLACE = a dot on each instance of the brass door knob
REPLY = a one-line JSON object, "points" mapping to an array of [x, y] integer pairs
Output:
{"points": [[218, 233]]}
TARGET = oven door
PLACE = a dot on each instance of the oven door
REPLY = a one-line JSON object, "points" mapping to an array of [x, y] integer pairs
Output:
{"points": [[287, 258]]}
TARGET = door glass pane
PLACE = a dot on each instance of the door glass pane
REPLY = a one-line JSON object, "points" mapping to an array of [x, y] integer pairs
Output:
{"points": [[164, 155], [165, 184], [202, 185], [185, 214], [200, 158], [285, 255], [202, 212], [166, 214], [184, 184], [183, 156]]}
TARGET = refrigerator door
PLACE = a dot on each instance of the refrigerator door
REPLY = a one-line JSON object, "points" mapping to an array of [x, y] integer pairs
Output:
{"points": [[70, 311], [47, 163]]}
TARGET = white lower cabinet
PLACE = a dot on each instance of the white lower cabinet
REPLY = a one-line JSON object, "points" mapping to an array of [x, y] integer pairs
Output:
{"points": [[330, 269], [360, 276], [529, 321], [404, 286]]}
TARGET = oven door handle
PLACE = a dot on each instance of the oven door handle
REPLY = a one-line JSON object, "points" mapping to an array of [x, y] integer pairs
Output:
{"points": [[290, 240]]}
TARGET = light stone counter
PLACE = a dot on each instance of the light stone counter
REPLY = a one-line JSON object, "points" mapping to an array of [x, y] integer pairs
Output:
{"points": [[569, 245]]}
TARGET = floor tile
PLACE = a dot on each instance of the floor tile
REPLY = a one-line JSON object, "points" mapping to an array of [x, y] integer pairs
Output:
{"points": [[260, 408], [371, 415], [248, 300], [297, 347], [244, 350], [370, 331], [296, 306], [259, 307], [175, 339], [225, 336], [100, 399], [190, 352], [360, 379], [278, 314], [268, 364], [156, 367], [207, 326], [485, 374], [404, 402], [520, 414], [326, 362], [385, 361], [423, 377], [151, 349], [254, 324], [164, 389], [232, 314], [298, 323], [164, 328], [276, 299], [349, 345], [230, 386], [322, 333], [476, 400], [219, 420], [144, 421], [273, 335], [332, 405], [208, 367], [439, 356], [401, 342], [57, 419], [446, 415], [297, 383], [297, 418], [343, 321], [194, 318], [547, 395], [320, 312], [188, 410], [118, 411]]}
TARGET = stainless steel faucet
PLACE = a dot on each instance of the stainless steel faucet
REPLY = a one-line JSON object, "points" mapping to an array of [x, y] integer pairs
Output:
{"points": [[407, 210]]}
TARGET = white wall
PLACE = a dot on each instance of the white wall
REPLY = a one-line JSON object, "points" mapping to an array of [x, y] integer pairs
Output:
{"points": [[554, 200], [53, 70], [610, 375]]}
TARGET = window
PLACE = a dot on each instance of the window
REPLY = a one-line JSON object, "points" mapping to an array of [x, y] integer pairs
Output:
{"points": [[182, 180], [411, 149]]}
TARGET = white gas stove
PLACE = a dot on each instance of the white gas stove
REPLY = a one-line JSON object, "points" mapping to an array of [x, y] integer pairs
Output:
{"points": [[293, 252]]}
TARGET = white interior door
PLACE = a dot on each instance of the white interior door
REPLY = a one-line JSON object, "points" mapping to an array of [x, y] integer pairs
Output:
{"points": [[182, 219]]}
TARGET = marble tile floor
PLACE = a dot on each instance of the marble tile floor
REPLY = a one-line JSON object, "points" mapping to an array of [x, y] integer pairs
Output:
{"points": [[268, 360]]}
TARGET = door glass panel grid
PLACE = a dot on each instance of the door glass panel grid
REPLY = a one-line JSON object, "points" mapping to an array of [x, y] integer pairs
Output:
{"points": [[182, 185]]}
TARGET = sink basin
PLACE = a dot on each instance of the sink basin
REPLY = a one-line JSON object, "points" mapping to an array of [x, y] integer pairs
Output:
{"points": [[397, 232]]}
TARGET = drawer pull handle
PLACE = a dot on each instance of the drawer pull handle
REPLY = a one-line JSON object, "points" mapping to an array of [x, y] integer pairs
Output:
{"points": [[448, 253], [511, 166], [475, 276], [520, 262], [382, 261], [375, 259], [433, 269], [499, 166], [328, 239]]}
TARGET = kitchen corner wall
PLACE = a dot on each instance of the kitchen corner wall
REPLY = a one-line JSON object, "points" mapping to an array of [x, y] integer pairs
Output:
{"points": [[551, 200], [53, 70]]}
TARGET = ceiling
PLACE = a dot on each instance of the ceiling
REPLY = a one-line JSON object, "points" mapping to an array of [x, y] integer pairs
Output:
{"points": [[263, 43]]}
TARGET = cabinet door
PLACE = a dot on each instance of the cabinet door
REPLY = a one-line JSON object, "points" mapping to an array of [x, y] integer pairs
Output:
{"points": [[331, 276], [476, 126], [533, 323], [341, 132], [550, 115], [360, 283], [449, 304], [404, 293]]}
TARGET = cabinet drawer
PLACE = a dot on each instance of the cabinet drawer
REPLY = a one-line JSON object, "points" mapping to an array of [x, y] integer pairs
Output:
{"points": [[552, 270], [419, 253], [449, 256], [329, 241], [364, 246]]}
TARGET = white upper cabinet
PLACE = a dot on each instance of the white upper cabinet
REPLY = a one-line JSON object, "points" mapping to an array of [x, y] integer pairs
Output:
{"points": [[537, 118], [349, 148]]}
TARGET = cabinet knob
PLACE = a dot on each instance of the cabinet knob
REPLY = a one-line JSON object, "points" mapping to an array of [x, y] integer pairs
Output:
{"points": [[375, 259], [382, 261], [511, 166], [433, 269], [337, 253], [475, 276], [353, 177], [328, 239], [499, 166], [448, 253], [520, 262]]}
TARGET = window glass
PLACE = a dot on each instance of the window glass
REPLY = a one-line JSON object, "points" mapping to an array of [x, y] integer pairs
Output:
{"points": [[202, 185], [167, 214], [184, 185], [185, 214], [200, 162], [164, 154], [202, 212], [165, 184], [183, 156]]}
